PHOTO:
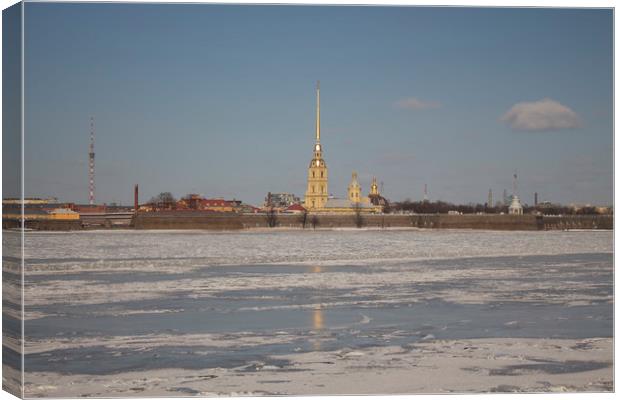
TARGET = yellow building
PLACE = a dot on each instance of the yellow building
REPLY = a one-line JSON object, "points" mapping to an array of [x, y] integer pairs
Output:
{"points": [[317, 200], [354, 203], [39, 214], [64, 214], [354, 190], [316, 192]]}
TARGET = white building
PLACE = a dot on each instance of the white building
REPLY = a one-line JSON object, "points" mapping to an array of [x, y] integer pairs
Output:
{"points": [[515, 207]]}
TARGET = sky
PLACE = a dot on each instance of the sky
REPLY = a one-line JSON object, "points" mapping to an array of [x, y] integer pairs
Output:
{"points": [[220, 100]]}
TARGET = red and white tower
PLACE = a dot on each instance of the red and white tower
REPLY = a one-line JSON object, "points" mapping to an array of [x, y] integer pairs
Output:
{"points": [[91, 163]]}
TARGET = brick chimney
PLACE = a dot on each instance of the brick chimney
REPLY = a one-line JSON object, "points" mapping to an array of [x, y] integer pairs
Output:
{"points": [[135, 199]]}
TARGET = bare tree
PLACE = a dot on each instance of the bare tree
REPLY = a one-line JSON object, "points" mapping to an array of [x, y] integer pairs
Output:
{"points": [[314, 221], [272, 217], [387, 209], [436, 207], [164, 201], [192, 201], [303, 218], [359, 220]]}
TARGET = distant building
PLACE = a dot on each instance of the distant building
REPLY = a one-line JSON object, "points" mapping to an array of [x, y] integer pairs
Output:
{"points": [[375, 197], [37, 213], [546, 205], [197, 202], [64, 214], [281, 200], [29, 201], [317, 198], [220, 205], [191, 202], [247, 209], [29, 213], [295, 209], [515, 207], [347, 206], [355, 201], [88, 208]]}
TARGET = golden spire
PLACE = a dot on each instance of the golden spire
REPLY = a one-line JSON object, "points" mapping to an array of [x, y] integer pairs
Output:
{"points": [[318, 111]]}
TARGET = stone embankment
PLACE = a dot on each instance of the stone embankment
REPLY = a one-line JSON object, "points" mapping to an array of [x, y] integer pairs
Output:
{"points": [[229, 221], [233, 221]]}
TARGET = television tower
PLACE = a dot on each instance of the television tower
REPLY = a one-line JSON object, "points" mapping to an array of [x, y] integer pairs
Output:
{"points": [[514, 184], [91, 163]]}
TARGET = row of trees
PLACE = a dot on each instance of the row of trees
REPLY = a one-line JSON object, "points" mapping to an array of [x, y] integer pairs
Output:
{"points": [[163, 201], [442, 207]]}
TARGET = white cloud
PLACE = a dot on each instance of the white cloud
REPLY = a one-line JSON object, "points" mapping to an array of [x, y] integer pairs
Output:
{"points": [[541, 115], [412, 103]]}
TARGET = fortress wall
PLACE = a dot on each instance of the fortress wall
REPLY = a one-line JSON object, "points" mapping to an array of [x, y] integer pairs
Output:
{"points": [[495, 222], [54, 225], [368, 221], [433, 221], [443, 221], [190, 220], [44, 224], [231, 221], [578, 222], [187, 220]]}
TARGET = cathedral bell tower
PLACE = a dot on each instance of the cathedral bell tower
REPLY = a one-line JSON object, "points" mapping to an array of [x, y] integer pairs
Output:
{"points": [[316, 192], [354, 190]]}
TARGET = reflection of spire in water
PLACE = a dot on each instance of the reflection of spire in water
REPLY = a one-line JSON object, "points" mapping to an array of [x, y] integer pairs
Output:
{"points": [[317, 318], [317, 325], [317, 314]]}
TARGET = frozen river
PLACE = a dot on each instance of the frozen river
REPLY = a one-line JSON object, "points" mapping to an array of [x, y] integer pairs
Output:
{"points": [[121, 313]]}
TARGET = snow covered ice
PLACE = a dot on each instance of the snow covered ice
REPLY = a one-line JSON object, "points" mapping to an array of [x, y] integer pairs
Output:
{"points": [[177, 313]]}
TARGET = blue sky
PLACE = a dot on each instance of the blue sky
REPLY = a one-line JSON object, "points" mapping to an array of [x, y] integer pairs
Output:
{"points": [[219, 100]]}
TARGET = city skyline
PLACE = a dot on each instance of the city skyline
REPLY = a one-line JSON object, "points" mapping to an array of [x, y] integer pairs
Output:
{"points": [[219, 100]]}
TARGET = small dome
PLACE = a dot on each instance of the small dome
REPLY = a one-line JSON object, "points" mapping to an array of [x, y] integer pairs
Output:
{"points": [[515, 206]]}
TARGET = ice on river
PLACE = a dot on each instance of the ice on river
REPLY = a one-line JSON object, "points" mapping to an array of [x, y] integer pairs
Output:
{"points": [[144, 250], [121, 313]]}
